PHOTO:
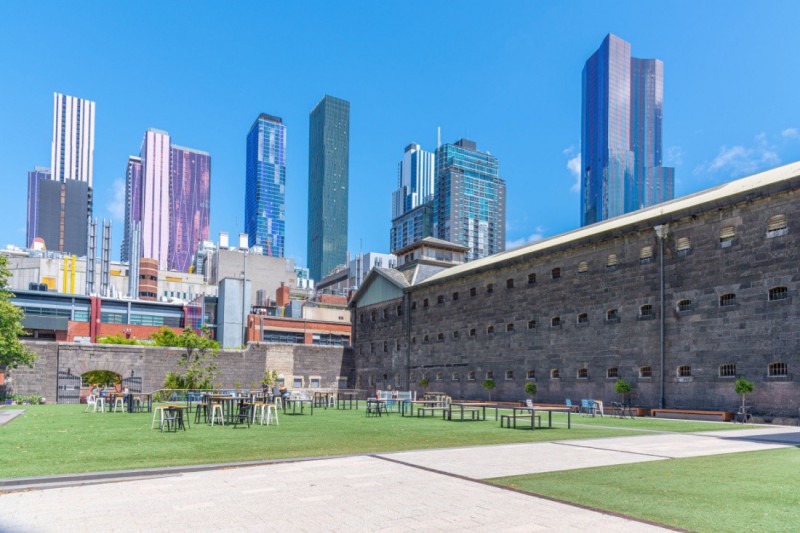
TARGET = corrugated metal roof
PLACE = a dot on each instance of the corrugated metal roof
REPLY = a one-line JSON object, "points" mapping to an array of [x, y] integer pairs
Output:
{"points": [[732, 188]]}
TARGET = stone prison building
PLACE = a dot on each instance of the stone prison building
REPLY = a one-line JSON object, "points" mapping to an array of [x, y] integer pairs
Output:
{"points": [[678, 299]]}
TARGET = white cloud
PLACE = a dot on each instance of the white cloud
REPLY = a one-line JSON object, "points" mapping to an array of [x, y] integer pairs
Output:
{"points": [[574, 167], [116, 207], [516, 243], [790, 133], [673, 156], [739, 160]]}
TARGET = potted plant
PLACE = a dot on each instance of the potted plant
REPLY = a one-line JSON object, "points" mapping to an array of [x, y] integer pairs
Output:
{"points": [[489, 384], [623, 388], [530, 389], [743, 387]]}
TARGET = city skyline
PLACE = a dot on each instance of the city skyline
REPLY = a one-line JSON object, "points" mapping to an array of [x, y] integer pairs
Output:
{"points": [[621, 133], [532, 126]]}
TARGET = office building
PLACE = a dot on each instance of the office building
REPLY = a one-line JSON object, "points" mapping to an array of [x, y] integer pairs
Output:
{"points": [[265, 188], [190, 204], [62, 216], [155, 154], [621, 134], [72, 149], [133, 204], [328, 172], [34, 176], [412, 202], [470, 201]]}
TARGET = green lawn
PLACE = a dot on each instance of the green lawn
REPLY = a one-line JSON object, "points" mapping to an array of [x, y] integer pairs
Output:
{"points": [[56, 439], [753, 491]]}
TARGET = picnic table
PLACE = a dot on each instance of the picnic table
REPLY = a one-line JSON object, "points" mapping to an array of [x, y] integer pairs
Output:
{"points": [[461, 406], [230, 406], [512, 419], [407, 407], [345, 398], [292, 403]]}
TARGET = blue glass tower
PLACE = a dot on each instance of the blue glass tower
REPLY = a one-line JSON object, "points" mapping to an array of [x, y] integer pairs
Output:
{"points": [[265, 189], [621, 142], [470, 200]]}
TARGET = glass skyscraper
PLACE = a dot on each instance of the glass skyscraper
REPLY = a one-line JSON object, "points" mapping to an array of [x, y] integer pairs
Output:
{"points": [[621, 144], [190, 204], [415, 188], [470, 201], [34, 176], [328, 173], [133, 204], [265, 185]]}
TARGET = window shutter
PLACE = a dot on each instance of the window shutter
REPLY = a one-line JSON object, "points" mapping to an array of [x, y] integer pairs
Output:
{"points": [[612, 260], [777, 222], [646, 253], [583, 266], [684, 243], [728, 232]]}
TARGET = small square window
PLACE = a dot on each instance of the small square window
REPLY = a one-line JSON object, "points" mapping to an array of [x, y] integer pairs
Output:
{"points": [[531, 324], [509, 375], [612, 372], [440, 299], [645, 372], [473, 332], [510, 283], [455, 376], [583, 373], [684, 306], [471, 375], [727, 300], [490, 330], [489, 374], [583, 318], [555, 322], [490, 288], [473, 291], [684, 371], [531, 374], [777, 370], [455, 296], [555, 273], [727, 371], [456, 334], [531, 278], [778, 293], [555, 374], [510, 326]]}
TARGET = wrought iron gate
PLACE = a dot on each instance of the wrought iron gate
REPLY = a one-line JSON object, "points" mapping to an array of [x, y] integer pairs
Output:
{"points": [[133, 384], [69, 388]]}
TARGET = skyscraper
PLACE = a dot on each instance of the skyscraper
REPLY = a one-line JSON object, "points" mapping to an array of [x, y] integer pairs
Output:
{"points": [[155, 155], [31, 226], [190, 204], [62, 219], [412, 202], [133, 205], [328, 171], [265, 188], [470, 201], [72, 149], [621, 144]]}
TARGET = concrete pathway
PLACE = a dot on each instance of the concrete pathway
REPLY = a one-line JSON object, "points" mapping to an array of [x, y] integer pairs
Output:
{"points": [[7, 415], [389, 492]]}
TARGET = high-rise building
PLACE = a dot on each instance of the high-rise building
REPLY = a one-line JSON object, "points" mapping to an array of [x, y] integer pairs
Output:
{"points": [[62, 219], [415, 189], [72, 150], [133, 205], [621, 144], [34, 176], [470, 201], [190, 204], [265, 188], [328, 172], [155, 154]]}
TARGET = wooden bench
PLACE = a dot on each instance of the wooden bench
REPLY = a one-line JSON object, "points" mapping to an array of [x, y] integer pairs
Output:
{"points": [[691, 414], [474, 413], [508, 418], [423, 410]]}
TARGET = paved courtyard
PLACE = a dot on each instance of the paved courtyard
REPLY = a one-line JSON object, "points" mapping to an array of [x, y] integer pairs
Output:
{"points": [[430, 490]]}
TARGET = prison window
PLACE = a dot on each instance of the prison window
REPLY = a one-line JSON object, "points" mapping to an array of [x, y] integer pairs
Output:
{"points": [[414, 305], [490, 288], [510, 283], [726, 236], [362, 318], [727, 371], [412, 378], [440, 337], [489, 374], [531, 374], [556, 273], [684, 306], [612, 372], [776, 226], [645, 372], [646, 311], [612, 315], [611, 262], [509, 375], [531, 279], [510, 326], [583, 267], [399, 310], [413, 340], [684, 371], [440, 299], [531, 324], [397, 345], [455, 296], [583, 318], [778, 293], [555, 321], [683, 246], [471, 375], [490, 330], [455, 376], [583, 373], [777, 369], [425, 302], [372, 347], [473, 291], [426, 339], [473, 332], [727, 300], [385, 314], [439, 376], [646, 254], [372, 316], [554, 373], [455, 334]]}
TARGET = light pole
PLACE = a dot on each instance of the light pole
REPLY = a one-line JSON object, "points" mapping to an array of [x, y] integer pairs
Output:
{"points": [[662, 231]]}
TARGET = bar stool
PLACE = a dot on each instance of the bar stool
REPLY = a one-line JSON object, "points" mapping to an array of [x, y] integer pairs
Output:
{"points": [[121, 402], [216, 407], [200, 412], [256, 407], [271, 410], [100, 404], [158, 410]]}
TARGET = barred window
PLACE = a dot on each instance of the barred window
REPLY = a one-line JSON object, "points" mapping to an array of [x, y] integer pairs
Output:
{"points": [[440, 337], [726, 236], [646, 311], [440, 299], [777, 369], [489, 374], [455, 296], [510, 326], [583, 373], [645, 372], [556, 273], [646, 254], [683, 246], [727, 371], [554, 373], [583, 267], [473, 332], [531, 278], [555, 321], [684, 371], [455, 376], [531, 324], [583, 318], [778, 293], [727, 300], [612, 261], [456, 334], [612, 372], [684, 305], [777, 226], [471, 375], [510, 283], [509, 375], [490, 330], [531, 374], [612, 315]]}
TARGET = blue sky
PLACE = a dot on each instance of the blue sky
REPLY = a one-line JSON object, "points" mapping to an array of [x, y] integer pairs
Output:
{"points": [[505, 74]]}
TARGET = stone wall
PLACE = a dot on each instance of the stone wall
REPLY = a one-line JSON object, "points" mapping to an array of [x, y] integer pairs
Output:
{"points": [[242, 367], [511, 307]]}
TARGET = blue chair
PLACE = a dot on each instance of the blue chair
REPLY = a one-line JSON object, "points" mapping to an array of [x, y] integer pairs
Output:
{"points": [[586, 407], [568, 402]]}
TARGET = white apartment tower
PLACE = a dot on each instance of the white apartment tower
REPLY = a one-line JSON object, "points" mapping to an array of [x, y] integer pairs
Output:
{"points": [[72, 150]]}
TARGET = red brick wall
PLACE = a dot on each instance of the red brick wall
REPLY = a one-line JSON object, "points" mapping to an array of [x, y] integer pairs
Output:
{"points": [[81, 329], [254, 327]]}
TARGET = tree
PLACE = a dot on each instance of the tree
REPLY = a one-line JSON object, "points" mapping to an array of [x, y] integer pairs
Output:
{"points": [[623, 388], [744, 388], [12, 352], [102, 377], [198, 367], [270, 379], [530, 389], [489, 384], [117, 339]]}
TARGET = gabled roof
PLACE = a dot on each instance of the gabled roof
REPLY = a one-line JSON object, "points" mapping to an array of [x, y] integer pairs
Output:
{"points": [[391, 275], [433, 241], [664, 211]]}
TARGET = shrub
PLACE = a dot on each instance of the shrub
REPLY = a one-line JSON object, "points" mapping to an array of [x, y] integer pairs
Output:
{"points": [[743, 387], [530, 389]]}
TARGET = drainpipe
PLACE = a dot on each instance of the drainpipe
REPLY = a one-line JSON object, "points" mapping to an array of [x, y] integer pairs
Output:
{"points": [[661, 232]]}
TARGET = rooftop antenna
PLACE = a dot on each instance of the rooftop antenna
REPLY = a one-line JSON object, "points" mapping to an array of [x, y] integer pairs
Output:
{"points": [[438, 136]]}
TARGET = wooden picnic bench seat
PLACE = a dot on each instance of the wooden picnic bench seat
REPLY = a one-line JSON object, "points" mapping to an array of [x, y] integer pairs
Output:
{"points": [[525, 416], [423, 410], [472, 411], [692, 414]]}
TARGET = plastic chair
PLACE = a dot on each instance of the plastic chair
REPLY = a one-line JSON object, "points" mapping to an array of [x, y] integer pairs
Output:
{"points": [[586, 407], [91, 402], [569, 405]]}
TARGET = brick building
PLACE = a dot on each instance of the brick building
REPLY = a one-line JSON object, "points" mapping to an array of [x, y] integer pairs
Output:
{"points": [[678, 299]]}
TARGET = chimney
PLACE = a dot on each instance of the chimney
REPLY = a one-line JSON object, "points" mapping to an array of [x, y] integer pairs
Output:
{"points": [[282, 296]]}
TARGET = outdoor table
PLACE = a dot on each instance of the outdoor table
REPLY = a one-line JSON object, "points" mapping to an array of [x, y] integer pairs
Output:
{"points": [[130, 396], [548, 410], [322, 399], [229, 406], [481, 405], [344, 399], [422, 403], [293, 402], [180, 409]]}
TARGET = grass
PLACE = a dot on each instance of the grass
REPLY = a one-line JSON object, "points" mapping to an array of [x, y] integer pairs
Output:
{"points": [[58, 439], [752, 491]]}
